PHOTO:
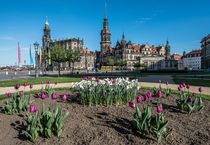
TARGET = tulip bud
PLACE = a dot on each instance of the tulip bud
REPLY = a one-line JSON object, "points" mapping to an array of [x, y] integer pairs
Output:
{"points": [[194, 94], [33, 108], [25, 84], [17, 86], [179, 88], [42, 82], [56, 83], [31, 86], [190, 99], [145, 97], [183, 84], [9, 94], [43, 95], [159, 93], [159, 109], [85, 78], [64, 97], [155, 115], [139, 99], [132, 104], [149, 94], [166, 83], [21, 92], [53, 96], [188, 86], [200, 90], [159, 81], [97, 80]]}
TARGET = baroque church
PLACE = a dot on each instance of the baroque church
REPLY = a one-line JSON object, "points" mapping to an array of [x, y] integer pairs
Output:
{"points": [[154, 57]]}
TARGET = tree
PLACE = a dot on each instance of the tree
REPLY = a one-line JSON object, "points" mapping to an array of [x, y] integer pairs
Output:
{"points": [[111, 62], [58, 55], [121, 63], [137, 65], [69, 57], [76, 57]]}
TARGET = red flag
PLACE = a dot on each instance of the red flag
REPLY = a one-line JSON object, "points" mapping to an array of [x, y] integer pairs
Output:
{"points": [[19, 53]]}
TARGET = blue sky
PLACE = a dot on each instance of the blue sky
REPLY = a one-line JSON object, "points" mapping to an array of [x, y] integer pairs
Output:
{"points": [[183, 22]]}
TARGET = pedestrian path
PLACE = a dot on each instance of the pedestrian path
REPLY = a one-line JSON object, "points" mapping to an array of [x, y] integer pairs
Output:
{"points": [[4, 90]]}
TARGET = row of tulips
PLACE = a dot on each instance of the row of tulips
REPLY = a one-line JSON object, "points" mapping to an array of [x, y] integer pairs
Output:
{"points": [[106, 91]]}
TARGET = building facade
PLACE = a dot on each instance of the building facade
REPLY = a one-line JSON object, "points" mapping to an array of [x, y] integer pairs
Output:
{"points": [[88, 59], [192, 60], [205, 54]]}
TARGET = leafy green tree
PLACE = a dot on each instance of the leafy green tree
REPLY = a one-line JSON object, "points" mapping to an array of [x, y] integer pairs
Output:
{"points": [[76, 57], [121, 63], [111, 62], [58, 55], [137, 65]]}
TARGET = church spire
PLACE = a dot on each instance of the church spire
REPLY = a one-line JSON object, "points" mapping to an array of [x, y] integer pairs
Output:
{"points": [[123, 36], [105, 9], [46, 23]]}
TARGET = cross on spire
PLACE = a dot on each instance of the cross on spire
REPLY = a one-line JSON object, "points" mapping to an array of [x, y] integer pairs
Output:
{"points": [[46, 23]]}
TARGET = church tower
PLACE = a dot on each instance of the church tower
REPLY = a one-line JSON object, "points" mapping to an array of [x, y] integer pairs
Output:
{"points": [[105, 39], [46, 39], [167, 49]]}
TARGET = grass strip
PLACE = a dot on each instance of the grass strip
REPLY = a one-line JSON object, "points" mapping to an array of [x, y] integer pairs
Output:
{"points": [[193, 82]]}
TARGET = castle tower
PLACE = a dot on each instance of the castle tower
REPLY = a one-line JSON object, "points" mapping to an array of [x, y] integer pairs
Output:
{"points": [[105, 39], [167, 49], [46, 39]]}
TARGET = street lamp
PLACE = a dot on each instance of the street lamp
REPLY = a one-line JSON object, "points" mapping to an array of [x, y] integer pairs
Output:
{"points": [[36, 46], [86, 60]]}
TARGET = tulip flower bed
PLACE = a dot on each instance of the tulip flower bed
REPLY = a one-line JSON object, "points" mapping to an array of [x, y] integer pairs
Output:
{"points": [[108, 125], [106, 91]]}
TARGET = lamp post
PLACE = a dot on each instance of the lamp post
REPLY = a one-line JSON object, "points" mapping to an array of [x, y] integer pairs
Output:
{"points": [[86, 60], [36, 46]]}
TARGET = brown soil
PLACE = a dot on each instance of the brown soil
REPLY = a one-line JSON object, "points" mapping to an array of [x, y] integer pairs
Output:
{"points": [[109, 125]]}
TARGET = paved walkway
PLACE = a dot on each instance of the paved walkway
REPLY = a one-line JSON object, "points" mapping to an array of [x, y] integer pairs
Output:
{"points": [[155, 78], [4, 90]]}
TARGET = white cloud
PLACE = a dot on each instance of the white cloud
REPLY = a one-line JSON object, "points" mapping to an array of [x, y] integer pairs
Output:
{"points": [[143, 20], [6, 38]]}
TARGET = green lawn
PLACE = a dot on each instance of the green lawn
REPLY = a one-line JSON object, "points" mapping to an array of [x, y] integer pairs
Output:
{"points": [[38, 81], [194, 82]]}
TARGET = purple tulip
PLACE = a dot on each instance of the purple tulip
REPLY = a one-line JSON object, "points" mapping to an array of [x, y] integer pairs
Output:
{"points": [[44, 95], [42, 82], [9, 94], [194, 94], [145, 97], [179, 88], [31, 86], [89, 77], [183, 84], [25, 84], [166, 83], [21, 92], [85, 78], [139, 99], [48, 82], [159, 81], [132, 104], [33, 108], [97, 80], [190, 99], [159, 109], [159, 93], [53, 96], [200, 90], [188, 86], [56, 83], [64, 97], [17, 86], [149, 94]]}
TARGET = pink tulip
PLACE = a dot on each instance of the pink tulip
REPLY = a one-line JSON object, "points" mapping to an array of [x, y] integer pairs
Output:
{"points": [[155, 115], [9, 94], [183, 84], [166, 83], [42, 82], [190, 100], [179, 88], [132, 104], [145, 97], [188, 86], [200, 90], [89, 77], [53, 96], [149, 94], [56, 83], [159, 81], [194, 94], [64, 97], [44, 95], [159, 93], [159, 109], [33, 108], [31, 86], [85, 78], [48, 82], [21, 92], [139, 99], [17, 86], [97, 80], [25, 84]]}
